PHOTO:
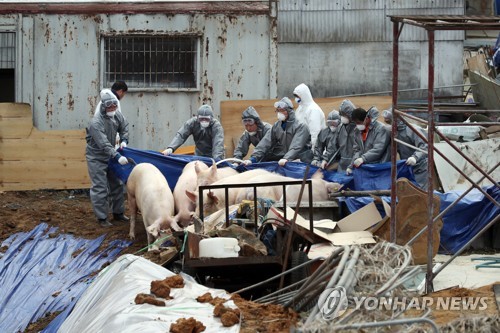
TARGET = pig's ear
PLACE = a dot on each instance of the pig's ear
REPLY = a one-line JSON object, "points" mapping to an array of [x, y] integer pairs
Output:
{"points": [[213, 197], [318, 174], [192, 196], [197, 168], [213, 169]]}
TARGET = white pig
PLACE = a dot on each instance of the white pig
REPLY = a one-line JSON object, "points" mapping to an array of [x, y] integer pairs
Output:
{"points": [[268, 192], [148, 191], [187, 181], [210, 175], [320, 189], [214, 200]]}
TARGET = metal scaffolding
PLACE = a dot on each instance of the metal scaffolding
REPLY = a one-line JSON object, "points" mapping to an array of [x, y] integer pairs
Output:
{"points": [[431, 24]]}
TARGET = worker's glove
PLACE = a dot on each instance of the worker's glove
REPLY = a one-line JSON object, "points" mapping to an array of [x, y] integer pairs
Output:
{"points": [[348, 171], [235, 165], [358, 162], [315, 163], [411, 161], [282, 162], [123, 145], [247, 162], [168, 151], [323, 164], [123, 160]]}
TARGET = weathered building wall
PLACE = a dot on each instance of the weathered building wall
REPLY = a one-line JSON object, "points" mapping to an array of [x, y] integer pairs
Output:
{"points": [[60, 65], [345, 47]]}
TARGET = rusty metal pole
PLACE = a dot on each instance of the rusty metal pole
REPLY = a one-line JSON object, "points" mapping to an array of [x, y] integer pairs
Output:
{"points": [[430, 158], [395, 70]]}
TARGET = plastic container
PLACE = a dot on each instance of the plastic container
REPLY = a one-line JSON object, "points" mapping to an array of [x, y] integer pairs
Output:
{"points": [[219, 247]]}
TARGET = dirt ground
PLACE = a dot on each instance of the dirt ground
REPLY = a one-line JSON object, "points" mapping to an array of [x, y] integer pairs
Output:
{"points": [[72, 213]]}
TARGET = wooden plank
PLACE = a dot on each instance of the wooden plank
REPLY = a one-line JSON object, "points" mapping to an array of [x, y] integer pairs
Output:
{"points": [[62, 185], [15, 128], [15, 110], [33, 171], [59, 135], [42, 149], [231, 113]]}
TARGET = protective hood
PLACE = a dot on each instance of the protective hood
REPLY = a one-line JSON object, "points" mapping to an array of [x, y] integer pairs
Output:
{"points": [[387, 114], [304, 93], [373, 114], [205, 110], [284, 103], [250, 112], [107, 95], [346, 108], [334, 115]]}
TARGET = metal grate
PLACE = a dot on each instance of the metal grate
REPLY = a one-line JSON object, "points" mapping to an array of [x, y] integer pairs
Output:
{"points": [[152, 61], [7, 50]]}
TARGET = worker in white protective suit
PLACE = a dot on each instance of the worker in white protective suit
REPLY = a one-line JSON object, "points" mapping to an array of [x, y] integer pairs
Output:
{"points": [[309, 112]]}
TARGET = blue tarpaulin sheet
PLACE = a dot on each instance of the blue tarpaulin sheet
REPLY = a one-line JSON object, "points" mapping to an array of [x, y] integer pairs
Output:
{"points": [[460, 223], [43, 271], [367, 177]]}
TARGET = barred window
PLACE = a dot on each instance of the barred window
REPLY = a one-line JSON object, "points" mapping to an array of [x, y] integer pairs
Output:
{"points": [[159, 61]]}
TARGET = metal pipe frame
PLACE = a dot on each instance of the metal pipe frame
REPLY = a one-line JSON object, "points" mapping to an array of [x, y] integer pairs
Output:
{"points": [[450, 206], [453, 23], [473, 183]]}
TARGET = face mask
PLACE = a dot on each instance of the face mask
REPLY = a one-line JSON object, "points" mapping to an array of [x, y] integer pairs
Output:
{"points": [[333, 128], [204, 124], [251, 133], [111, 114], [344, 120], [281, 116], [298, 100], [361, 127]]}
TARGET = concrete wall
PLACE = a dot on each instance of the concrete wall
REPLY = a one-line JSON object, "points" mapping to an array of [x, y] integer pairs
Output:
{"points": [[59, 71]]}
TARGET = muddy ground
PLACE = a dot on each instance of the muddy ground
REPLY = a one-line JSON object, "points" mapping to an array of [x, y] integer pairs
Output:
{"points": [[72, 213]]}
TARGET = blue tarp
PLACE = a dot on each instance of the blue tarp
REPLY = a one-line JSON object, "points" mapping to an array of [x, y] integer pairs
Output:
{"points": [[367, 177], [43, 272], [462, 222]]}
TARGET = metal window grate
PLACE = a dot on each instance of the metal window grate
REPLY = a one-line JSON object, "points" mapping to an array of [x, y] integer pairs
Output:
{"points": [[7, 50], [151, 61]]}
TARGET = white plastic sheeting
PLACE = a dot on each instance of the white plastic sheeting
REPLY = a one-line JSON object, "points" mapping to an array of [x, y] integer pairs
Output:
{"points": [[108, 304]]}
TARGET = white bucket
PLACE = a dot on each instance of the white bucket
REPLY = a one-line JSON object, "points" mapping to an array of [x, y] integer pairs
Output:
{"points": [[219, 247]]}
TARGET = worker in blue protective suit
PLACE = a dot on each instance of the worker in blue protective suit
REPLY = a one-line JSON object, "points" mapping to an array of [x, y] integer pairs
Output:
{"points": [[372, 144], [327, 136], [287, 140], [343, 147], [413, 157], [255, 130], [101, 136], [309, 112], [207, 133]]}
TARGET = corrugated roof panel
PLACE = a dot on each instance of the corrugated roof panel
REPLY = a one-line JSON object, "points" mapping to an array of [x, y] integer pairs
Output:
{"points": [[412, 33], [364, 25], [290, 26], [425, 4]]}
